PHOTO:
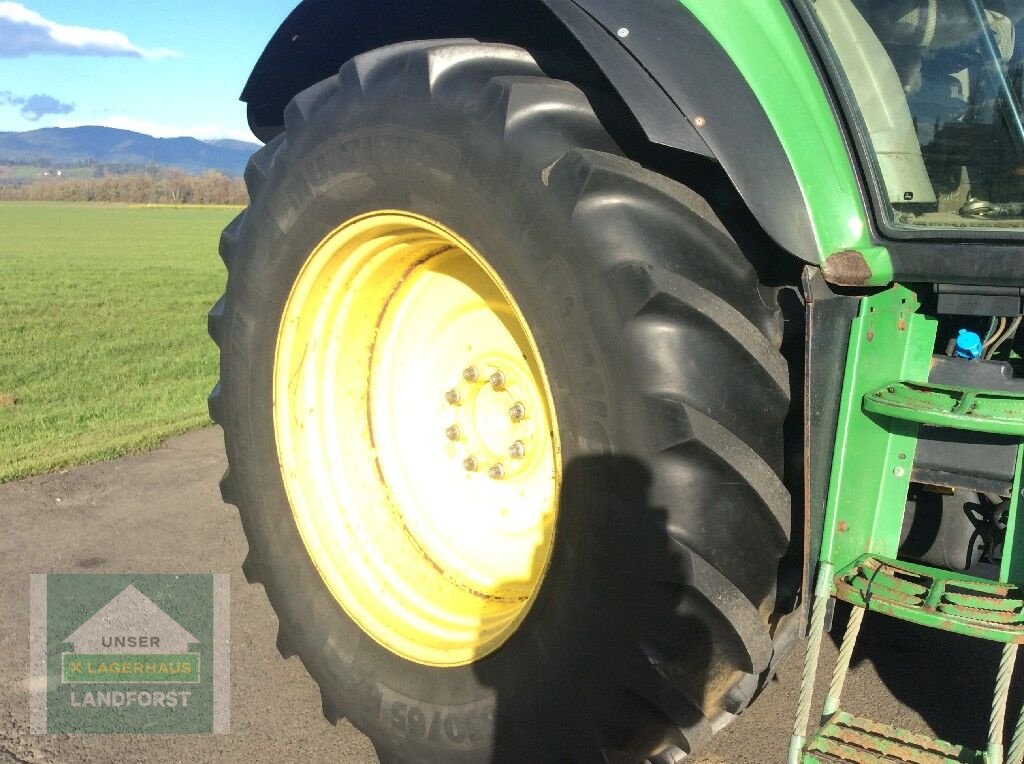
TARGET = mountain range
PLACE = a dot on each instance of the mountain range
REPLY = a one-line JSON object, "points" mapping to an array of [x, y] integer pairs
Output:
{"points": [[107, 145]]}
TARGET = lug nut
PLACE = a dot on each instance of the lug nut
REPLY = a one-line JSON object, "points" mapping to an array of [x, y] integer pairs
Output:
{"points": [[497, 380], [517, 450], [517, 412], [496, 472], [470, 464], [453, 397], [471, 374], [453, 433]]}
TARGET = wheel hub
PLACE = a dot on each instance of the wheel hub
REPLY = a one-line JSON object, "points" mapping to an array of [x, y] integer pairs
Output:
{"points": [[491, 424]]}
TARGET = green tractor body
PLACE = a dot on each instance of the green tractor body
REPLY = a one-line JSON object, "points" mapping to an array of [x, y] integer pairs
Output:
{"points": [[576, 353]]}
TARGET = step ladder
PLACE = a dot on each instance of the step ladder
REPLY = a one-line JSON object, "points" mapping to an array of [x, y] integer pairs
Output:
{"points": [[886, 398]]}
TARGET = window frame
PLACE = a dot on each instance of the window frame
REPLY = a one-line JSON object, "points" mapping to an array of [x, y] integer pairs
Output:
{"points": [[860, 148]]}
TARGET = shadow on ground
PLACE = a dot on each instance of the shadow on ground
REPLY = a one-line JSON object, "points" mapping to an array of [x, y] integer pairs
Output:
{"points": [[948, 679], [100, 518]]}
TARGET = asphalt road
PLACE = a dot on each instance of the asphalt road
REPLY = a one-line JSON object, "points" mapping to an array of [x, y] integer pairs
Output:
{"points": [[119, 516]]}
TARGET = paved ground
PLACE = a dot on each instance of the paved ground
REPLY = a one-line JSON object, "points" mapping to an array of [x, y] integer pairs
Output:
{"points": [[110, 517]]}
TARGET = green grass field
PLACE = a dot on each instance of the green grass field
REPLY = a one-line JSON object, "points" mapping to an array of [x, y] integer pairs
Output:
{"points": [[103, 345]]}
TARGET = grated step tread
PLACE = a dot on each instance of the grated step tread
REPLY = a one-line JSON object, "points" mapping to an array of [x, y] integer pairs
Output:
{"points": [[960, 408], [934, 598], [848, 739]]}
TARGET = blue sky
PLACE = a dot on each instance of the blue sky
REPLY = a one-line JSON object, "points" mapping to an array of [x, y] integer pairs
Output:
{"points": [[164, 67]]}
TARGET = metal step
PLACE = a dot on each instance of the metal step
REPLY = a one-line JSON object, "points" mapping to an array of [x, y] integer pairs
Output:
{"points": [[960, 408], [934, 598], [848, 739]]}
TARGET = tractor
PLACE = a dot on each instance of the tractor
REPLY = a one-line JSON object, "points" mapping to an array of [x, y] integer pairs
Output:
{"points": [[576, 357]]}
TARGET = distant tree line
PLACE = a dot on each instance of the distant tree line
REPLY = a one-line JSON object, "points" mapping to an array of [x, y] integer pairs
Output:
{"points": [[47, 162], [163, 187]]}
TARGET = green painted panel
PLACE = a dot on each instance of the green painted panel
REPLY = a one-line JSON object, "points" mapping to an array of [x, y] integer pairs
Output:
{"points": [[889, 342], [759, 37]]}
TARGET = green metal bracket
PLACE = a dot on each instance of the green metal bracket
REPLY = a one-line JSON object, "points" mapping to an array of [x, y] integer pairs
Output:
{"points": [[874, 452], [886, 397], [943, 406], [1012, 569]]}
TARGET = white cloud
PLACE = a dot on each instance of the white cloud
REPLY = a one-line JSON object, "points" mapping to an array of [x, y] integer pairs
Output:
{"points": [[204, 132], [24, 32]]}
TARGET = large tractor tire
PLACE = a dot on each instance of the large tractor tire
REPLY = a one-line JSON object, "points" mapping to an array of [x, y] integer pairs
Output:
{"points": [[503, 412]]}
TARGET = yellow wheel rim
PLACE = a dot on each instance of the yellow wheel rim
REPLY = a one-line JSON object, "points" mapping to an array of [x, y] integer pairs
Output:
{"points": [[417, 437]]}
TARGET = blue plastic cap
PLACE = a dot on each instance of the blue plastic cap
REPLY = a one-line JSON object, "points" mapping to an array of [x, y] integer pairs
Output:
{"points": [[968, 345]]}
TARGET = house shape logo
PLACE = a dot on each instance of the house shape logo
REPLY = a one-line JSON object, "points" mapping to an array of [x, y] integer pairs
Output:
{"points": [[130, 622]]}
